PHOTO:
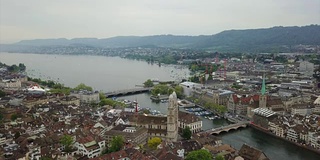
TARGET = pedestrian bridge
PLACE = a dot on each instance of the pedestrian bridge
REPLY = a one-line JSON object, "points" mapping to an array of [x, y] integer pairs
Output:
{"points": [[127, 92], [228, 128]]}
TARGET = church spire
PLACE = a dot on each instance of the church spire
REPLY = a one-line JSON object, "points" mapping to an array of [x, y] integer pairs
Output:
{"points": [[263, 88]]}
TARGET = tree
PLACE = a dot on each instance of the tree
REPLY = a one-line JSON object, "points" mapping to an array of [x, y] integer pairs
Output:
{"points": [[199, 154], [2, 93], [102, 96], [142, 148], [116, 144], [67, 141], [22, 67], [148, 83], [186, 133], [179, 91], [160, 89], [82, 86], [13, 68], [154, 142], [65, 91], [219, 157], [16, 135], [14, 117]]}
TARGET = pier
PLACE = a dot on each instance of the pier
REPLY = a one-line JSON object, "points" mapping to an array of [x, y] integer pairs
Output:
{"points": [[127, 92], [227, 128]]}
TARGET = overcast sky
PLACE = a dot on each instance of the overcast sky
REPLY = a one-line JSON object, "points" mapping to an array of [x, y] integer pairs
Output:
{"points": [[32, 19]]}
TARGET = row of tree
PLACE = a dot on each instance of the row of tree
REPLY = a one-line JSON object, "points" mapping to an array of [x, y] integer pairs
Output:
{"points": [[216, 107], [164, 89], [108, 101]]}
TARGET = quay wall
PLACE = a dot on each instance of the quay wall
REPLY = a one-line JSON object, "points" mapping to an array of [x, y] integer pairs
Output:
{"points": [[271, 134]]}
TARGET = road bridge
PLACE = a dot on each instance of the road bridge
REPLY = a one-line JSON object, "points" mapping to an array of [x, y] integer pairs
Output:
{"points": [[127, 92], [228, 128]]}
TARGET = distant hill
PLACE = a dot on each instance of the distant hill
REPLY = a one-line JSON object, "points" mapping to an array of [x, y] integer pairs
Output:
{"points": [[261, 39], [250, 40]]}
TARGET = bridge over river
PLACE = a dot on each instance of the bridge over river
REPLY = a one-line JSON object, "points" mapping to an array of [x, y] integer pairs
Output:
{"points": [[227, 128], [127, 92]]}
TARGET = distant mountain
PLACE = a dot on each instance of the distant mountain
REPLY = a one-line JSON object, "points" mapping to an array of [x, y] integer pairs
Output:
{"points": [[260, 39], [250, 40]]}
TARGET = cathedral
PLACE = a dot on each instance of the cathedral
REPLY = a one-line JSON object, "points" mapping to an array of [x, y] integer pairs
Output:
{"points": [[164, 127]]}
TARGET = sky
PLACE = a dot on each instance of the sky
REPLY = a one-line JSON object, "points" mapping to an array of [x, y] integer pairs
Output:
{"points": [[41, 19]]}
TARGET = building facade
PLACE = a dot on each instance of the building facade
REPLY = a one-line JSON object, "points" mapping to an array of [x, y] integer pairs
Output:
{"points": [[87, 96], [190, 120]]}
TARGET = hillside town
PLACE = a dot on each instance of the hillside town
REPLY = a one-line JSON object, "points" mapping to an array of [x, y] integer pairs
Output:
{"points": [[280, 99]]}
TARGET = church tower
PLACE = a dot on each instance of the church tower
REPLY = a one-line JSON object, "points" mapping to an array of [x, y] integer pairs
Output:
{"points": [[263, 96], [172, 118]]}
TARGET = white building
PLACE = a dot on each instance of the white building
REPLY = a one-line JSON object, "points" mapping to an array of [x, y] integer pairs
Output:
{"points": [[302, 109], [306, 67], [87, 96], [314, 139], [87, 146], [292, 135], [12, 84], [188, 87], [190, 120]]}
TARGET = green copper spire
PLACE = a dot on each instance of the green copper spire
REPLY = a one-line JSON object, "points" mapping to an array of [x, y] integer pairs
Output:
{"points": [[263, 88]]}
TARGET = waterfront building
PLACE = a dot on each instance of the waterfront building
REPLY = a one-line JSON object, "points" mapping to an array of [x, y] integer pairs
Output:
{"points": [[86, 96], [292, 135], [238, 104], [210, 94], [276, 128], [245, 104], [189, 87], [190, 120], [314, 139], [216, 96], [262, 116]]}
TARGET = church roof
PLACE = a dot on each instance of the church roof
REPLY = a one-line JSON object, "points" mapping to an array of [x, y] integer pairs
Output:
{"points": [[317, 101], [264, 112], [152, 119]]}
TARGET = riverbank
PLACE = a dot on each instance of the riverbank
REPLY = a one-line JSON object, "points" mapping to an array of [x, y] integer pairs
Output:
{"points": [[284, 139]]}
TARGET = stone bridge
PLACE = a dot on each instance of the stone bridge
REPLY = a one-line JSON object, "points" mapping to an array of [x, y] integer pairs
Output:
{"points": [[127, 92], [228, 128]]}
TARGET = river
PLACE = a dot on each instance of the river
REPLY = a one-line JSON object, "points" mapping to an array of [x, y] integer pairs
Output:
{"points": [[114, 73]]}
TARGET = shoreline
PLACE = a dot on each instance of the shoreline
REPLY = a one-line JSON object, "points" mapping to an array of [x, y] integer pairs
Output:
{"points": [[284, 139]]}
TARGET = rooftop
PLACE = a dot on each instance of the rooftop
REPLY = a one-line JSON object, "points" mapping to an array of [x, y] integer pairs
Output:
{"points": [[264, 112]]}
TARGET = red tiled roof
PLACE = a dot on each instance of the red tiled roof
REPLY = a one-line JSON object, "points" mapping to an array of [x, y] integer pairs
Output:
{"points": [[115, 155]]}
